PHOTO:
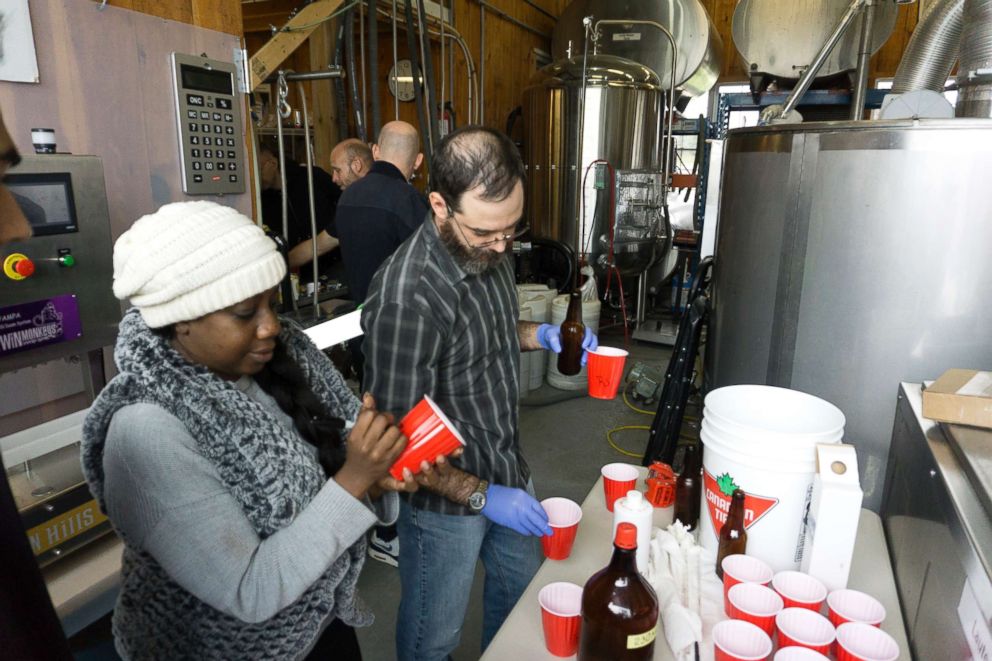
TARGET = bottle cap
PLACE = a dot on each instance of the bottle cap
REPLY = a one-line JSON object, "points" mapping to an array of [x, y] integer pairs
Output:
{"points": [[626, 537]]}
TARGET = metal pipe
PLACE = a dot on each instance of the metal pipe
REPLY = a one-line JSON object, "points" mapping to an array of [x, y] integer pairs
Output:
{"points": [[482, 63], [281, 92], [313, 208], [428, 59], [864, 58], [671, 87], [396, 98], [349, 47], [340, 96], [361, 58], [932, 50], [373, 28], [807, 78], [579, 162], [443, 62], [418, 92], [330, 72], [975, 66]]}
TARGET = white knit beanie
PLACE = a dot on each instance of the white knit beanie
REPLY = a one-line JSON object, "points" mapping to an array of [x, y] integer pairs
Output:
{"points": [[189, 259]]}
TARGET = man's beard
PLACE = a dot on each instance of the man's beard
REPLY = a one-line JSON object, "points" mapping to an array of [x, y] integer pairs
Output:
{"points": [[474, 261]]}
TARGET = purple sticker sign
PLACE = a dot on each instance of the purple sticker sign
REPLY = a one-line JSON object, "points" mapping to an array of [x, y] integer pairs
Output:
{"points": [[39, 323]]}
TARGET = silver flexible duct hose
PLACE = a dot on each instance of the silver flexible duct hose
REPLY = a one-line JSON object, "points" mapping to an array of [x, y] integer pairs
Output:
{"points": [[975, 66], [932, 50]]}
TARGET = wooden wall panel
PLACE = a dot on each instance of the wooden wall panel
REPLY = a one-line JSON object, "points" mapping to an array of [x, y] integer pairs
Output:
{"points": [[220, 15]]}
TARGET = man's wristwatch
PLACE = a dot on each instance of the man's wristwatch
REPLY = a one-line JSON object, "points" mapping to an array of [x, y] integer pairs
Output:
{"points": [[477, 500]]}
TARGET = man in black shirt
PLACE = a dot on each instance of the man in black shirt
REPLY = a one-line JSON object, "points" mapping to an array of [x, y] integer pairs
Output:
{"points": [[378, 212], [326, 195]]}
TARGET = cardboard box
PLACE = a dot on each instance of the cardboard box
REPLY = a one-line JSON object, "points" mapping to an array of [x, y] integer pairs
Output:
{"points": [[963, 397], [834, 512]]}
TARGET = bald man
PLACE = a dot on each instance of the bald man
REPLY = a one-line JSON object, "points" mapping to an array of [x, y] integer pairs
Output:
{"points": [[29, 628], [351, 160], [379, 211]]}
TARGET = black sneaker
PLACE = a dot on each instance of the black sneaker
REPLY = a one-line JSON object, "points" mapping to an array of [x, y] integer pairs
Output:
{"points": [[384, 550]]}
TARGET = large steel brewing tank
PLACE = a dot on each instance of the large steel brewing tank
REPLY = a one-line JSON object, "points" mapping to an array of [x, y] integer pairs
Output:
{"points": [[622, 110], [851, 257], [781, 37], [700, 56]]}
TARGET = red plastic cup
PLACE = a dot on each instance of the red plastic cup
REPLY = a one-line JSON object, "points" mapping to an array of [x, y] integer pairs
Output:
{"points": [[857, 641], [800, 590], [561, 615], [799, 654], [618, 479], [740, 568], [605, 369], [853, 606], [756, 604], [734, 640], [430, 434], [563, 517], [802, 627]]}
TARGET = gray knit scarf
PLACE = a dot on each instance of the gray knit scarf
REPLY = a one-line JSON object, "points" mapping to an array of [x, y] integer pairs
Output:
{"points": [[271, 471]]}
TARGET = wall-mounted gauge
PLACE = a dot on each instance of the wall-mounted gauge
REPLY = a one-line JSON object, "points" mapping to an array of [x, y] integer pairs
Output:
{"points": [[401, 80]]}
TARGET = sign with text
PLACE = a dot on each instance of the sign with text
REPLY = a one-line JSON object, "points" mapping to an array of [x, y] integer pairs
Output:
{"points": [[36, 324]]}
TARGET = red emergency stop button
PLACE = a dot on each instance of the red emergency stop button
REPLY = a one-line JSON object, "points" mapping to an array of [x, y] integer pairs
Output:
{"points": [[18, 266]]}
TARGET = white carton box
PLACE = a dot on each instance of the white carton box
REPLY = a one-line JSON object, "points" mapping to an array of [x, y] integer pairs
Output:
{"points": [[832, 522]]}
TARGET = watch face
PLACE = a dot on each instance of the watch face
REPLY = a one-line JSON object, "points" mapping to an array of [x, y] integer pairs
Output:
{"points": [[477, 501]]}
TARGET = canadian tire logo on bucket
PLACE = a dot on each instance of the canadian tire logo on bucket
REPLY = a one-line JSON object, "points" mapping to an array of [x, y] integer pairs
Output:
{"points": [[718, 493]]}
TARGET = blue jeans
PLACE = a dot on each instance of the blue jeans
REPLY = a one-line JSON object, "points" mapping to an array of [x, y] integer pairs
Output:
{"points": [[438, 554]]}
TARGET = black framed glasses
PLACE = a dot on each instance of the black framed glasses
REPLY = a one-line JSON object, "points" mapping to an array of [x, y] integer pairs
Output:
{"points": [[519, 230]]}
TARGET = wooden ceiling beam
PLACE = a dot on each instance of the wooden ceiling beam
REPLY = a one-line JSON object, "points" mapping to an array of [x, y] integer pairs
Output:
{"points": [[268, 58]]}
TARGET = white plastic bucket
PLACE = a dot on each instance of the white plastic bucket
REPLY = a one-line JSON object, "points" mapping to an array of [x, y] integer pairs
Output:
{"points": [[590, 317], [775, 468]]}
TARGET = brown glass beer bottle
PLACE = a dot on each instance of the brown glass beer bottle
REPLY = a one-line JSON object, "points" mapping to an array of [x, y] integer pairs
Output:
{"points": [[573, 331], [619, 607], [688, 488], [733, 536]]}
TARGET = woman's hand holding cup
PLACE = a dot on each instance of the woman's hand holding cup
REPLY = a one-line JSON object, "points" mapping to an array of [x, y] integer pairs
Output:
{"points": [[372, 447]]}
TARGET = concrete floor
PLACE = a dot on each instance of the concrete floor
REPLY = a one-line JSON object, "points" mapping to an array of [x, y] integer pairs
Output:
{"points": [[565, 445]]}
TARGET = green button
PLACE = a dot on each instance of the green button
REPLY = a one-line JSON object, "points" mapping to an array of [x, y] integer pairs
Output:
{"points": [[67, 260]]}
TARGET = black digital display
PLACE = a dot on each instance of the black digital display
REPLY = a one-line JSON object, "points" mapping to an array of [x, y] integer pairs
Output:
{"points": [[206, 80], [46, 200]]}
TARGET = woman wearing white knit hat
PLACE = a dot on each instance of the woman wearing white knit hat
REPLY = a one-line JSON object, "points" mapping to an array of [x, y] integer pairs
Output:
{"points": [[219, 454]]}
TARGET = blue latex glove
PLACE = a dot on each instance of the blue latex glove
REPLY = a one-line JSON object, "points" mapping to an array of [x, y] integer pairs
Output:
{"points": [[516, 509], [549, 337]]}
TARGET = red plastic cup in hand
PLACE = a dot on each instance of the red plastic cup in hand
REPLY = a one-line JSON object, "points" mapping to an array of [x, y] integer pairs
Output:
{"points": [[618, 479], [561, 615], [734, 640], [563, 517], [800, 590], [605, 370], [740, 568], [799, 654], [853, 606], [756, 604], [430, 435], [857, 641], [802, 627]]}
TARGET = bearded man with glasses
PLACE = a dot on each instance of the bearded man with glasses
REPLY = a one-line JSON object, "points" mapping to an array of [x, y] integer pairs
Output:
{"points": [[441, 319]]}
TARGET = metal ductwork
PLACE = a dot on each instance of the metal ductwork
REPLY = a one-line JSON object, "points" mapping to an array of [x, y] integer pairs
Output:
{"points": [[932, 50], [975, 66]]}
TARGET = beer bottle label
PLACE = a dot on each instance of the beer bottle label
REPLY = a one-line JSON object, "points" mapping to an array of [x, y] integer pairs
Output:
{"points": [[636, 641]]}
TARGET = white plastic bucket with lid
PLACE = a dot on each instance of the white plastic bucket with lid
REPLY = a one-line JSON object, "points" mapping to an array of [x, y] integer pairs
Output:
{"points": [[763, 440], [590, 317]]}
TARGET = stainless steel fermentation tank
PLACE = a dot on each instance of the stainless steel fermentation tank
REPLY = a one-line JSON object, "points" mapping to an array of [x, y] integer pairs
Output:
{"points": [[700, 55], [851, 257], [623, 109], [779, 38]]}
